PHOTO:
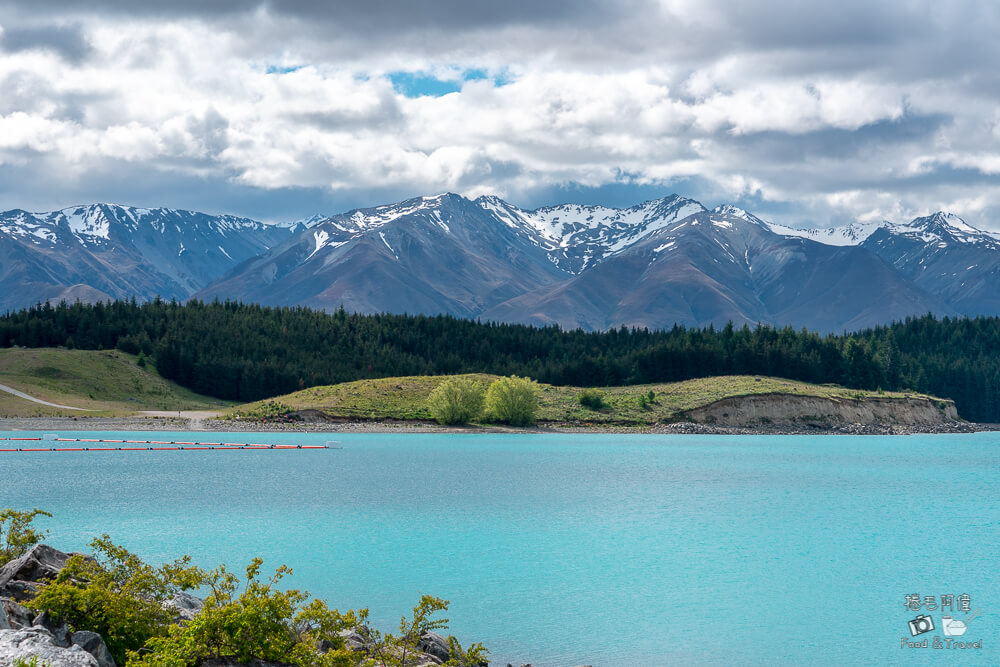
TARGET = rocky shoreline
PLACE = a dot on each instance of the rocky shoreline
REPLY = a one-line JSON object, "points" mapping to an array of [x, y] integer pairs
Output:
{"points": [[26, 635], [145, 423]]}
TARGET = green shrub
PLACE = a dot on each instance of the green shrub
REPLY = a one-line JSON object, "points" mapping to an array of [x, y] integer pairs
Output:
{"points": [[643, 402], [513, 401], [591, 398], [401, 651], [116, 595], [457, 400], [17, 534], [258, 622], [651, 396]]}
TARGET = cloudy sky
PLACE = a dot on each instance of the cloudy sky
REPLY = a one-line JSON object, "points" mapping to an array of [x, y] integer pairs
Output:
{"points": [[809, 114]]}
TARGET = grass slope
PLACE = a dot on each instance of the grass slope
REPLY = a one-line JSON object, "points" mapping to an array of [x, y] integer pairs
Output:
{"points": [[406, 398], [106, 382]]}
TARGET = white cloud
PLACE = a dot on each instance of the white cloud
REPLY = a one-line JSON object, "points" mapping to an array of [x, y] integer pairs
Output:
{"points": [[847, 116]]}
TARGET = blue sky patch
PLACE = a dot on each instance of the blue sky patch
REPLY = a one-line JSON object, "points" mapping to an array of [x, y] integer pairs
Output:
{"points": [[280, 69], [422, 84]]}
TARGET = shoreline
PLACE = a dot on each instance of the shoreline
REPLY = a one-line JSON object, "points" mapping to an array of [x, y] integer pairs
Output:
{"points": [[380, 426]]}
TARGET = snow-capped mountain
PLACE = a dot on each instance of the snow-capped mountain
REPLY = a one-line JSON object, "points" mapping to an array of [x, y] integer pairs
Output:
{"points": [[655, 264], [577, 237], [725, 265], [946, 256], [441, 254], [102, 251]]}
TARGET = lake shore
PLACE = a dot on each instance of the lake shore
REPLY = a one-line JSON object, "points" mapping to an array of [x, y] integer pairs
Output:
{"points": [[201, 423]]}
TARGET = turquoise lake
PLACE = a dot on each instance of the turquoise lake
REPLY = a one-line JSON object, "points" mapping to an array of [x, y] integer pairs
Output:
{"points": [[578, 549]]}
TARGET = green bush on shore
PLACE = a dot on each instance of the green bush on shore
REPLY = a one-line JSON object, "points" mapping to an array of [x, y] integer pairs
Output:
{"points": [[592, 398], [513, 401], [457, 400]]}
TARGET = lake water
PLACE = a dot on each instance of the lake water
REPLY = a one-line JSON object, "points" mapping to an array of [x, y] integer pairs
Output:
{"points": [[579, 549]]}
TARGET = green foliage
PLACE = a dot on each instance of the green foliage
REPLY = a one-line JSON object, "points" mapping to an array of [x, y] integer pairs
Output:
{"points": [[513, 401], [651, 396], [643, 402], [116, 595], [248, 352], [400, 650], [33, 661], [474, 656], [258, 622], [457, 400], [17, 534], [592, 398]]}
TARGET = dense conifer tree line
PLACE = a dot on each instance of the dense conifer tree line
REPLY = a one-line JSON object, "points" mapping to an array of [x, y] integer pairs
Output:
{"points": [[247, 352]]}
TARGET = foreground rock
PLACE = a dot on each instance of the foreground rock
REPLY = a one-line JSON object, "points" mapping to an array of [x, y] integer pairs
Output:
{"points": [[39, 643], [21, 578], [25, 636]]}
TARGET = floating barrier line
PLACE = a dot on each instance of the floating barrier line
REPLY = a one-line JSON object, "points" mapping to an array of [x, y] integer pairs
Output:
{"points": [[164, 445]]}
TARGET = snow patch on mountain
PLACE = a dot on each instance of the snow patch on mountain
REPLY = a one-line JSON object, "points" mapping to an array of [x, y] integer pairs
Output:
{"points": [[847, 235], [576, 236]]}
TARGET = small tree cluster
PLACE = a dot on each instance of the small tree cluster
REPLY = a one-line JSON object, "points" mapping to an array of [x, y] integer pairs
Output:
{"points": [[17, 534], [457, 400], [513, 401]]}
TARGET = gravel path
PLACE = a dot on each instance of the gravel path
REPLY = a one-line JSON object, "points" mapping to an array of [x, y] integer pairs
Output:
{"points": [[21, 394]]}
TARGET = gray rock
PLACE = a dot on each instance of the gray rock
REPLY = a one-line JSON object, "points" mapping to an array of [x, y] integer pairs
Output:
{"points": [[21, 577], [20, 590], [59, 631], [37, 642], [185, 606], [434, 644], [93, 643], [354, 639], [13, 616], [41, 563]]}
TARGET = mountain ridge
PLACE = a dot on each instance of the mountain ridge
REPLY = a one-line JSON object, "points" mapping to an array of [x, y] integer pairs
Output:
{"points": [[660, 262]]}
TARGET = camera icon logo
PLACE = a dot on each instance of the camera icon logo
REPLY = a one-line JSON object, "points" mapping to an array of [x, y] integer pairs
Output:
{"points": [[920, 625]]}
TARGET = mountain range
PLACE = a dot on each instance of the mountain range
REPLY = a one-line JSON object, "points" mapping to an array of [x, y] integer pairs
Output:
{"points": [[663, 262]]}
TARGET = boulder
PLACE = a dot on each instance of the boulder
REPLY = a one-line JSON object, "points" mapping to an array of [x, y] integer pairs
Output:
{"points": [[434, 644], [21, 577], [59, 631], [38, 643], [93, 643], [13, 616], [184, 606], [41, 563], [354, 639]]}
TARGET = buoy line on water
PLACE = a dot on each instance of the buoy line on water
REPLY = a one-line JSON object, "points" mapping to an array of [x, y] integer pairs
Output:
{"points": [[162, 445]]}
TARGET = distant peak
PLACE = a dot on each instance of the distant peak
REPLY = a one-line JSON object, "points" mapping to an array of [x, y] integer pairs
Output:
{"points": [[737, 212], [945, 222]]}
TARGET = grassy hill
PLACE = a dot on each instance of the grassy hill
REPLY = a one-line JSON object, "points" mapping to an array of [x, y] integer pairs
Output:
{"points": [[406, 398], [105, 382]]}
